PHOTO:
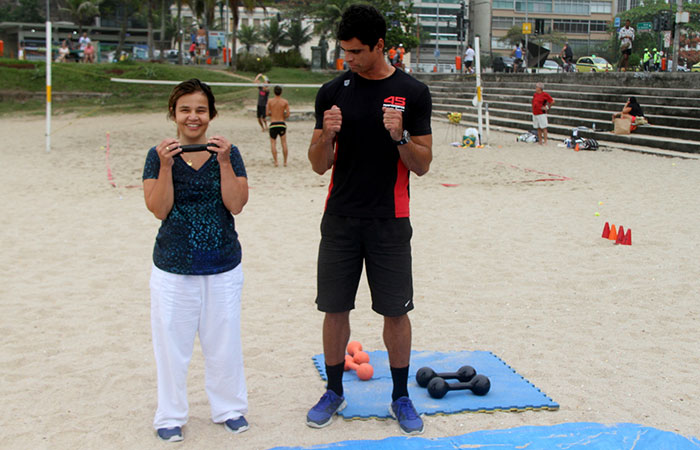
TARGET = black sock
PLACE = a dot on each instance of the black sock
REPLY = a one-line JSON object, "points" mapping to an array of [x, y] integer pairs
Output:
{"points": [[335, 378], [400, 378]]}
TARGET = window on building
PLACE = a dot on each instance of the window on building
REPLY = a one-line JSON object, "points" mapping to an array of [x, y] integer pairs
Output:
{"points": [[601, 8], [244, 21], [503, 4], [599, 26], [541, 6], [573, 7], [569, 26], [502, 23], [256, 22]]}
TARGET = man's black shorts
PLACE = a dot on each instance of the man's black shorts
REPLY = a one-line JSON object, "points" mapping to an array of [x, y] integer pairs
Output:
{"points": [[627, 51], [262, 109], [384, 245], [277, 129]]}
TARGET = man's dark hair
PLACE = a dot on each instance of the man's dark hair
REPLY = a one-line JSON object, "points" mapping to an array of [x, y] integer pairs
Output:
{"points": [[363, 22], [278, 90]]}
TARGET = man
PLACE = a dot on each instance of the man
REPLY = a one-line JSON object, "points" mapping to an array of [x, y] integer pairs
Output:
{"points": [[657, 60], [372, 128], [626, 37], [400, 52], [567, 56], [517, 53], [393, 56], [263, 94], [646, 59], [278, 110], [541, 103], [469, 59]]}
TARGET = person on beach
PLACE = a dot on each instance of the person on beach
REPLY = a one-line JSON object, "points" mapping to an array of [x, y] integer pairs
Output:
{"points": [[263, 94], [541, 103], [626, 37], [372, 128], [632, 111], [278, 110], [196, 278]]}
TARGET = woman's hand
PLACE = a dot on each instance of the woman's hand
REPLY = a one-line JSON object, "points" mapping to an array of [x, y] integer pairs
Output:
{"points": [[222, 149], [167, 149]]}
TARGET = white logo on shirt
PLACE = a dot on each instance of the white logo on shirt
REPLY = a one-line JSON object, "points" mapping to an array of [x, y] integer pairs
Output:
{"points": [[346, 83]]}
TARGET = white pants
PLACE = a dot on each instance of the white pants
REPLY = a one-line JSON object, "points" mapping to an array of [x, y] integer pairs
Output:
{"points": [[181, 306]]}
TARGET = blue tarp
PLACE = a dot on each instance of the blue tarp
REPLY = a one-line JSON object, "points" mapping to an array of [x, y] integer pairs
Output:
{"points": [[571, 436]]}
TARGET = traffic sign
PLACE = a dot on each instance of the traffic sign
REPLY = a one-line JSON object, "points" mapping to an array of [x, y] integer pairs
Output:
{"points": [[617, 22], [527, 28], [644, 26]]}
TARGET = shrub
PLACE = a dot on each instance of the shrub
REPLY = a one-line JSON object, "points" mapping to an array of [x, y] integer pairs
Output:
{"points": [[248, 62], [290, 58]]}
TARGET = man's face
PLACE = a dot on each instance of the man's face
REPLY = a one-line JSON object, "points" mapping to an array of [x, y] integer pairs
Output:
{"points": [[627, 23], [359, 57]]}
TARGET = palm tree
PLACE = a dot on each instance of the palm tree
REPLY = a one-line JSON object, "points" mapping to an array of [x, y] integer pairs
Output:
{"points": [[274, 34], [248, 5], [248, 36], [297, 35], [329, 13], [82, 11]]}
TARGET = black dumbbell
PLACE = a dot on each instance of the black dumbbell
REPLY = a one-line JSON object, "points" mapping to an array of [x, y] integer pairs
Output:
{"points": [[198, 147], [425, 374], [479, 385]]}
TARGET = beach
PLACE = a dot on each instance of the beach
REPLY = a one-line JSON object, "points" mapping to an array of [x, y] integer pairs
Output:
{"points": [[507, 257]]}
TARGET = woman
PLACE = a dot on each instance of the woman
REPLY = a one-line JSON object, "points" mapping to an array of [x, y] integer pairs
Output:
{"points": [[63, 52], [196, 279], [632, 110]]}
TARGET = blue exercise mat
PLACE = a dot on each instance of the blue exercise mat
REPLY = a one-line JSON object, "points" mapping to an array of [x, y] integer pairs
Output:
{"points": [[509, 391], [583, 436]]}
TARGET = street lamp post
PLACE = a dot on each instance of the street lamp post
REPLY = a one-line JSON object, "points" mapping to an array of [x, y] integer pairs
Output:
{"points": [[437, 35]]}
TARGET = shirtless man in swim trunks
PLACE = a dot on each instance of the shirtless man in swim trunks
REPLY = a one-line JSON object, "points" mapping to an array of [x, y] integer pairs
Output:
{"points": [[278, 110]]}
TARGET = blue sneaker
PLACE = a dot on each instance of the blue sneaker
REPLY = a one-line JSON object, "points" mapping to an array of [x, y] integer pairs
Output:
{"points": [[173, 434], [409, 420], [322, 413], [238, 425]]}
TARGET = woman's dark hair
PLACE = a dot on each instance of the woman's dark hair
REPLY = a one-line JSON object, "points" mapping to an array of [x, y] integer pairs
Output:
{"points": [[190, 87], [363, 22], [635, 108]]}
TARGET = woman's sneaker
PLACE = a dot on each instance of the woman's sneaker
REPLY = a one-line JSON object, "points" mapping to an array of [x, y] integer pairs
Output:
{"points": [[173, 434], [238, 425], [322, 413], [409, 421]]}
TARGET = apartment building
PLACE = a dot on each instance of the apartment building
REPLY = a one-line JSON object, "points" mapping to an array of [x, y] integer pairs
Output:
{"points": [[583, 22]]}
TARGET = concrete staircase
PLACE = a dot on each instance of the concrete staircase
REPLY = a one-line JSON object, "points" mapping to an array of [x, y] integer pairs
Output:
{"points": [[671, 103]]}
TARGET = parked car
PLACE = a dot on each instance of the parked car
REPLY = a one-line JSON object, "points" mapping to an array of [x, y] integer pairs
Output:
{"points": [[549, 66], [695, 67], [593, 64], [503, 64]]}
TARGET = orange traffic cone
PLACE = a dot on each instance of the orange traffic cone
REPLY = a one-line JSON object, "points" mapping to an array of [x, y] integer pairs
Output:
{"points": [[576, 148], [628, 238], [613, 233], [606, 230], [620, 235]]}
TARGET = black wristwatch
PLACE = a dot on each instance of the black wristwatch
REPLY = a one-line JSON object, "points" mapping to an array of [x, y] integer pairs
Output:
{"points": [[405, 139]]}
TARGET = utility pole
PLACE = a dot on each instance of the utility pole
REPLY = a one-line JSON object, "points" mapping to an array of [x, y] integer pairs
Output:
{"points": [[437, 36], [677, 38]]}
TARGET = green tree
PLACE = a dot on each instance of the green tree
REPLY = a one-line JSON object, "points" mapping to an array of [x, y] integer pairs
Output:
{"points": [[274, 34], [297, 35], [82, 11], [234, 5], [23, 11], [248, 36]]}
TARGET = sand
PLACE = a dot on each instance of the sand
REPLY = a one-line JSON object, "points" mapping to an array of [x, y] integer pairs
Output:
{"points": [[503, 262]]}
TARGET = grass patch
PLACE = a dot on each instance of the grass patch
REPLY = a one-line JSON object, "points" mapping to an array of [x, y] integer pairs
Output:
{"points": [[90, 79]]}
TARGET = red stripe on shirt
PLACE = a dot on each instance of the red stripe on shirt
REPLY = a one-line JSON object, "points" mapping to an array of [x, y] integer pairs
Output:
{"points": [[401, 190], [330, 186]]}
